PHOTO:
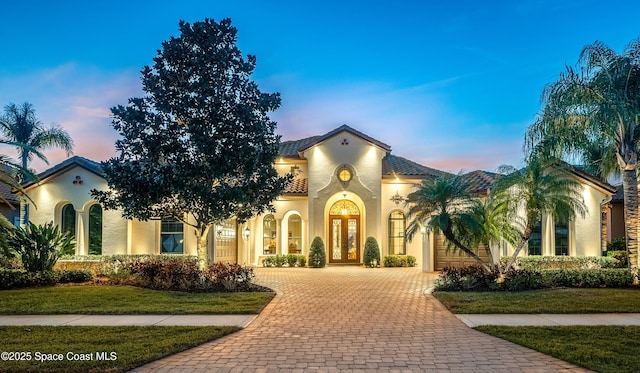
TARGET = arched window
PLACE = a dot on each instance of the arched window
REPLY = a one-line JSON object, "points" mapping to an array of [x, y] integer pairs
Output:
{"points": [[95, 230], [295, 234], [171, 237], [68, 221], [397, 242], [269, 231]]}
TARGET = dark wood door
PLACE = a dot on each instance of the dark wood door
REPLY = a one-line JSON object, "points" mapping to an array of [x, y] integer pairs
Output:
{"points": [[345, 239]]}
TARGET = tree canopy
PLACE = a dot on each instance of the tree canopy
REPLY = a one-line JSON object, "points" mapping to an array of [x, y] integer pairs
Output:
{"points": [[593, 112], [199, 147]]}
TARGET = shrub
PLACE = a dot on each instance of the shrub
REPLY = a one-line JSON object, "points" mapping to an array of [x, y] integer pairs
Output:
{"points": [[617, 244], [20, 278], [76, 276], [317, 256], [371, 253], [475, 278], [267, 262], [8, 262], [622, 256], [230, 276], [588, 278], [302, 260], [292, 260], [177, 273], [540, 263], [39, 245], [279, 260], [399, 261]]}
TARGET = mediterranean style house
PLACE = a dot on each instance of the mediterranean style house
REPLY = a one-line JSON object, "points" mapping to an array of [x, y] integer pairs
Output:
{"points": [[347, 187]]}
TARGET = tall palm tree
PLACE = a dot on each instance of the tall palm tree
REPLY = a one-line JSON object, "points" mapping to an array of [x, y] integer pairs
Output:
{"points": [[444, 204], [20, 127], [593, 112], [542, 187]]}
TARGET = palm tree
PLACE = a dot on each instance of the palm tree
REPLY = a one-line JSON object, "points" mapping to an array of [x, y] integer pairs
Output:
{"points": [[542, 187], [20, 127], [594, 114], [444, 204]]}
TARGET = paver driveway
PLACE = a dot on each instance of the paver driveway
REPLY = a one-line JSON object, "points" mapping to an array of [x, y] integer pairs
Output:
{"points": [[356, 319]]}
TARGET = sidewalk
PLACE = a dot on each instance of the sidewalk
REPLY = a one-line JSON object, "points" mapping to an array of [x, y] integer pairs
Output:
{"points": [[121, 320], [471, 320], [551, 319]]}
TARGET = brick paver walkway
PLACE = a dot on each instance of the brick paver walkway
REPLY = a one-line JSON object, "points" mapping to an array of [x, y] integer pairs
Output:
{"points": [[360, 320]]}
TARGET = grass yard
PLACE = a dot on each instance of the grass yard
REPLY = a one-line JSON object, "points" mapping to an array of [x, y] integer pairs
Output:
{"points": [[543, 301], [598, 348], [125, 347], [114, 300]]}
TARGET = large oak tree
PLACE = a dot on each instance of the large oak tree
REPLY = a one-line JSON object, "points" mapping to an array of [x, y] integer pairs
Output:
{"points": [[199, 147]]}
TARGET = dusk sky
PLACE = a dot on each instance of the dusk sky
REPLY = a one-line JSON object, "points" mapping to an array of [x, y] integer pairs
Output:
{"points": [[449, 84]]}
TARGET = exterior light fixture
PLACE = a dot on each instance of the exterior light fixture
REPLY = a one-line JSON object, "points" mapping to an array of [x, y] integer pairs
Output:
{"points": [[423, 230], [245, 233], [397, 198], [218, 231]]}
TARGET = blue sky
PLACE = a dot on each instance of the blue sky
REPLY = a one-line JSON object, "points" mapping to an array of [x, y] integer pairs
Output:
{"points": [[452, 85]]}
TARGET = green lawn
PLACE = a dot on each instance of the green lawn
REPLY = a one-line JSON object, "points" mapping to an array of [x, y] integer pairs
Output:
{"points": [[598, 348], [125, 347], [543, 301], [113, 300]]}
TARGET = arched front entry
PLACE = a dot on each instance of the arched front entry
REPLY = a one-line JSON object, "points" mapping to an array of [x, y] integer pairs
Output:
{"points": [[344, 232]]}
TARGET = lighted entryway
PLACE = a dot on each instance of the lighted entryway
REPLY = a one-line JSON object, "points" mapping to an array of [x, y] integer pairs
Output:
{"points": [[344, 223]]}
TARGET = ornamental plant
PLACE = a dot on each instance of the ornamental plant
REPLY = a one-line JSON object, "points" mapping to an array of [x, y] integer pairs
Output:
{"points": [[317, 255], [39, 245], [371, 253]]}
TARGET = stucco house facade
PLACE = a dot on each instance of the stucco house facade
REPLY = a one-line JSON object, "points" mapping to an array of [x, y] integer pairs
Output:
{"points": [[348, 186]]}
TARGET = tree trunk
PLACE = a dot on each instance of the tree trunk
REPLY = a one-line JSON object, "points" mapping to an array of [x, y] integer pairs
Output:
{"points": [[201, 240], [523, 241], [630, 190], [448, 233]]}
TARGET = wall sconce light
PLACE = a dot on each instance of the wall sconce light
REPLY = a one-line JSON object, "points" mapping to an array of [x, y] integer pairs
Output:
{"points": [[423, 230], [245, 233], [397, 198], [218, 231]]}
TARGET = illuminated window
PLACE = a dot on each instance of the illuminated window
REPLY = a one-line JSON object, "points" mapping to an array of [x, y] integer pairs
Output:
{"points": [[344, 175], [397, 242], [171, 237], [294, 225], [269, 235]]}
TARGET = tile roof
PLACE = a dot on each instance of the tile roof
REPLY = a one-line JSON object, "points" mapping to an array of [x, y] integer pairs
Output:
{"points": [[5, 190], [299, 186], [480, 181], [346, 128], [393, 165], [290, 148], [69, 163]]}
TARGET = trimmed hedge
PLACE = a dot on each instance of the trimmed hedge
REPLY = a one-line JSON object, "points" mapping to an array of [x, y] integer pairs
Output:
{"points": [[540, 263], [399, 261], [475, 278], [76, 276], [589, 278], [20, 278], [289, 260]]}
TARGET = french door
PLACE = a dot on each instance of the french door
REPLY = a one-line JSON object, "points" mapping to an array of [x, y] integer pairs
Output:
{"points": [[345, 239]]}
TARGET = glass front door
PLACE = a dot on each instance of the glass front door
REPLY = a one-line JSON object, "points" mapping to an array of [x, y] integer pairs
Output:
{"points": [[344, 239]]}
